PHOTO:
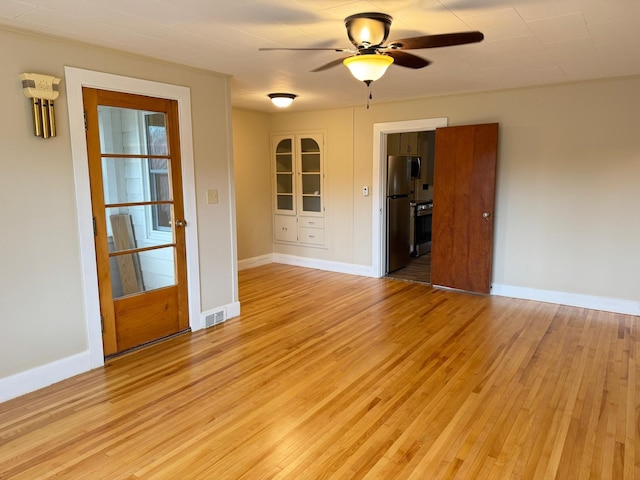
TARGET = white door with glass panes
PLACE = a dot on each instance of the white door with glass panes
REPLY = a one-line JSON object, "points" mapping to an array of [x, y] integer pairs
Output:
{"points": [[310, 174]]}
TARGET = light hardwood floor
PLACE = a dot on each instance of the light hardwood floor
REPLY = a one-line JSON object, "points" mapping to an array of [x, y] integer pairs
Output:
{"points": [[418, 270], [330, 376]]}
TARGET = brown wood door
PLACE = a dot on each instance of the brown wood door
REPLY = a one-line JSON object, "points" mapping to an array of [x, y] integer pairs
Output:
{"points": [[463, 202], [137, 203]]}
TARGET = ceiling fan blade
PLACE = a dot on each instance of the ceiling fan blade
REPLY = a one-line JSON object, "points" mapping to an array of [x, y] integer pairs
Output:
{"points": [[404, 59], [435, 41], [303, 49], [329, 65]]}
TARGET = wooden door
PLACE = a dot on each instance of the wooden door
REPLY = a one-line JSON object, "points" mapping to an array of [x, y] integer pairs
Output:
{"points": [[464, 180], [137, 203]]}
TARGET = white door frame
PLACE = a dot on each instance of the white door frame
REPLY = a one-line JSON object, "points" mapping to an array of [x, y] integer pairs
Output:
{"points": [[380, 132], [77, 78]]}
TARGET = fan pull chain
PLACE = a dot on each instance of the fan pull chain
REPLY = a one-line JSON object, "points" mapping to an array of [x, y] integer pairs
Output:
{"points": [[370, 97]]}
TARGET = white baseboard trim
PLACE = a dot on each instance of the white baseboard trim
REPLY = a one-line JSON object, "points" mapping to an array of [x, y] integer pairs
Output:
{"points": [[43, 376], [572, 299], [233, 310], [255, 261], [230, 310], [339, 267]]}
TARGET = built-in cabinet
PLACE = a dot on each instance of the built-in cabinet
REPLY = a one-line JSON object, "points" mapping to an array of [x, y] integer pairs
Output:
{"points": [[406, 143], [298, 170]]}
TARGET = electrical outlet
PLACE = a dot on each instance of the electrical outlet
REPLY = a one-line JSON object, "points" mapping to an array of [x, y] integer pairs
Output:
{"points": [[212, 196], [365, 191]]}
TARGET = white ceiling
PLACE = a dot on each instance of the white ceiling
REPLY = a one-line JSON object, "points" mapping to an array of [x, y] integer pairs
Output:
{"points": [[527, 42]]}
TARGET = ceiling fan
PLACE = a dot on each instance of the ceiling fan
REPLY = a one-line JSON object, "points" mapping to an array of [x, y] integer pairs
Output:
{"points": [[371, 57]]}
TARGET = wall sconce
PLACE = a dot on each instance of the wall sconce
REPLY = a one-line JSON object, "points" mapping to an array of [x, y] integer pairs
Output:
{"points": [[42, 90], [282, 100]]}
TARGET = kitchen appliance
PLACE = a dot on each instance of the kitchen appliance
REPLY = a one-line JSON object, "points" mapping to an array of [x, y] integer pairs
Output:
{"points": [[422, 216], [416, 167], [398, 211], [412, 230]]}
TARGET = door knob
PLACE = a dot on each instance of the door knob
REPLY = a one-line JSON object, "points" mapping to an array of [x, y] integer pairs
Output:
{"points": [[486, 216], [181, 223]]}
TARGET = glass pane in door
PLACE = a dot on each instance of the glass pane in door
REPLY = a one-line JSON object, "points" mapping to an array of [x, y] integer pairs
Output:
{"points": [[132, 132], [309, 145], [311, 204], [129, 229], [310, 162], [310, 184], [141, 272], [138, 197], [131, 180]]}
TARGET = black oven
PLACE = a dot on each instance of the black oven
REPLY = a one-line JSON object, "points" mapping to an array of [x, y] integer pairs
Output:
{"points": [[422, 228]]}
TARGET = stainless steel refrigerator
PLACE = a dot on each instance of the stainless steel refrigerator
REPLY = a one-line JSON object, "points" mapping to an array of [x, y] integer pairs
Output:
{"points": [[398, 212]]}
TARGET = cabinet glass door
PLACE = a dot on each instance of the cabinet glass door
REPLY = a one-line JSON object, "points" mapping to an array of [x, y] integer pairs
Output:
{"points": [[311, 175], [284, 176]]}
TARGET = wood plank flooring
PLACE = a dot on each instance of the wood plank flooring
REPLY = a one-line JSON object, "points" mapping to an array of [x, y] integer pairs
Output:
{"points": [[418, 270], [331, 376]]}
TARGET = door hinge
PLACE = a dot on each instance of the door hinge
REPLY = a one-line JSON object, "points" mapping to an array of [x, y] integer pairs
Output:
{"points": [[85, 121], [102, 323], [95, 232]]}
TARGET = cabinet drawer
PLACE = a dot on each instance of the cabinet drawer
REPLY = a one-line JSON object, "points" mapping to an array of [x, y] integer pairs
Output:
{"points": [[312, 236], [312, 222]]}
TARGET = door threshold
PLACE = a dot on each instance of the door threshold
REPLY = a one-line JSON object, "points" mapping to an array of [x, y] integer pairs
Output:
{"points": [[147, 344]]}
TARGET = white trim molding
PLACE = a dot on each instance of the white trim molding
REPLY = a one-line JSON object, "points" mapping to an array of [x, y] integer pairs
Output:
{"points": [[330, 266], [380, 132], [615, 305], [255, 261], [43, 376]]}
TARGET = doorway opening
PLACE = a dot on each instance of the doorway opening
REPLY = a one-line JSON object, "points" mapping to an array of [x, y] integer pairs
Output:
{"points": [[384, 137], [410, 185]]}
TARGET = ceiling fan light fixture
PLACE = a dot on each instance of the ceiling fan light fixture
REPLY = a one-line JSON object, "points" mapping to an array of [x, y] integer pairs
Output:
{"points": [[368, 29], [282, 100], [368, 68]]}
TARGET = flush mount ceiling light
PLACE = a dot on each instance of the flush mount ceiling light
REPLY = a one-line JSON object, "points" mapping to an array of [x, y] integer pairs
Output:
{"points": [[282, 100]]}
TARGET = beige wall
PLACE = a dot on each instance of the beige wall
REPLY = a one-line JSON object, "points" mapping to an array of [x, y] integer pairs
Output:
{"points": [[567, 197], [569, 157], [253, 183], [41, 302], [337, 125]]}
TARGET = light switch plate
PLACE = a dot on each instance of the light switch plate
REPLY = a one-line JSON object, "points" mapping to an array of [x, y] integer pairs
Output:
{"points": [[212, 196], [365, 191]]}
